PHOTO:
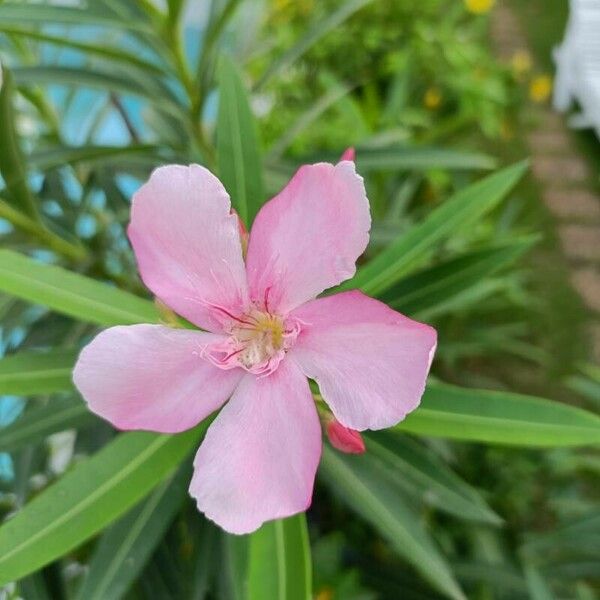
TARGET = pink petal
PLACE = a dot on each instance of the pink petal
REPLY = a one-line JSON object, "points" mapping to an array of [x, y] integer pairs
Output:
{"points": [[259, 458], [188, 245], [370, 361], [307, 238], [344, 439], [152, 377]]}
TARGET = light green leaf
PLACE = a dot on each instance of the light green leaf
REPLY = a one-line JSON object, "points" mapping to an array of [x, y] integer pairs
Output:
{"points": [[58, 157], [238, 148], [418, 471], [420, 292], [365, 488], [88, 498], [404, 158], [538, 588], [280, 563], [12, 163], [135, 82], [315, 32], [500, 418], [28, 373], [462, 210], [70, 293], [124, 549], [38, 423], [93, 49], [22, 14]]}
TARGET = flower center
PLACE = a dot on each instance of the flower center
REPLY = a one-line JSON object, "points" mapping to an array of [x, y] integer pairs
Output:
{"points": [[257, 342]]}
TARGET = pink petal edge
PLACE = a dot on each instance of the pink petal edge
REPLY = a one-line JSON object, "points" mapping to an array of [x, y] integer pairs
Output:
{"points": [[308, 237], [187, 244], [370, 362], [152, 377]]}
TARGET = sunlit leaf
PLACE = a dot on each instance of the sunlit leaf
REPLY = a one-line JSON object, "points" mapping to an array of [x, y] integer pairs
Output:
{"points": [[88, 498], [500, 418], [70, 293]]}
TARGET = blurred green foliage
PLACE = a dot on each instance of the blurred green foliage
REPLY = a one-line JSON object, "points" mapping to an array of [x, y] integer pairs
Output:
{"points": [[415, 87]]}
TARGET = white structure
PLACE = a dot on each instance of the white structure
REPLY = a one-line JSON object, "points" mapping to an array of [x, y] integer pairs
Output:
{"points": [[578, 65]]}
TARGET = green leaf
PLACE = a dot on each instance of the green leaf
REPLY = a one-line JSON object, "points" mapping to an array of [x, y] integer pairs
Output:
{"points": [[70, 293], [280, 562], [124, 549], [58, 157], [12, 163], [461, 211], [29, 373], [426, 289], [135, 82], [21, 14], [538, 588], [238, 148], [364, 487], [404, 158], [38, 423], [500, 418], [419, 471], [316, 31], [95, 49], [233, 566], [88, 498]]}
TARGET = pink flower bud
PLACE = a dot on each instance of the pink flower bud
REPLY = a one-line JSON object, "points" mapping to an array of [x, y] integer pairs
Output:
{"points": [[349, 154], [344, 439]]}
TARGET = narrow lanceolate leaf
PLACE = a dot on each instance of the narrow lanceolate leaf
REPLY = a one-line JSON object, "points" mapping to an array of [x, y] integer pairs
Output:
{"points": [[280, 561], [38, 423], [58, 157], [12, 163], [88, 498], [124, 549], [419, 472], [71, 294], [500, 417], [313, 34], [420, 158], [461, 211], [419, 293], [238, 148], [21, 14], [30, 373], [365, 488]]}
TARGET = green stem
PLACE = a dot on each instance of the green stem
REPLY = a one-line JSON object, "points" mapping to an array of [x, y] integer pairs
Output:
{"points": [[33, 228]]}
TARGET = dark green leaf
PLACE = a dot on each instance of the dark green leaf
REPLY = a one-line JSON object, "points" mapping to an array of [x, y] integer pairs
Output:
{"points": [[38, 423], [124, 549], [12, 163], [364, 487], [460, 211], [238, 149]]}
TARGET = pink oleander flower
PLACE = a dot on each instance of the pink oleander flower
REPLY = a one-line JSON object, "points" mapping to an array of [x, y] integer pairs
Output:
{"points": [[265, 333]]}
